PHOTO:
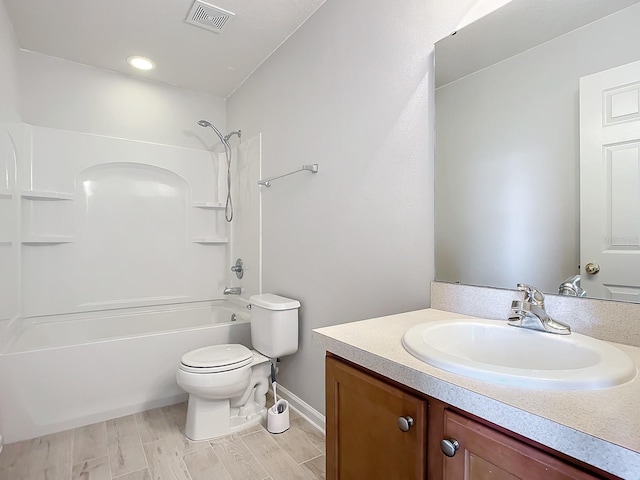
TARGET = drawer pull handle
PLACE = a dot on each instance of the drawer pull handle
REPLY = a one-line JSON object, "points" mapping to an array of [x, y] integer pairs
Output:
{"points": [[449, 446], [405, 423]]}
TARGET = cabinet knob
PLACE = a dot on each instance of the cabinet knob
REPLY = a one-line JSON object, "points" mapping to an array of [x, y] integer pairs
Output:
{"points": [[449, 446], [405, 423]]}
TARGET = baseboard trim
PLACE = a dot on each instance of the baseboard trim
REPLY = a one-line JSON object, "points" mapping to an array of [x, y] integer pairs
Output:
{"points": [[301, 407]]}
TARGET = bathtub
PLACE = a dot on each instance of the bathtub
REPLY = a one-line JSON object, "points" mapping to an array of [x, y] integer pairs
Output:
{"points": [[66, 371]]}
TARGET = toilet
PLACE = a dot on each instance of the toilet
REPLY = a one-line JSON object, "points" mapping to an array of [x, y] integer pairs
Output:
{"points": [[227, 384]]}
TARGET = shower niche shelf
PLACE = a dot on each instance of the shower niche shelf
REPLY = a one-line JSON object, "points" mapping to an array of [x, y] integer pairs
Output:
{"points": [[208, 205], [5, 242], [210, 240], [44, 240], [46, 195], [5, 195]]}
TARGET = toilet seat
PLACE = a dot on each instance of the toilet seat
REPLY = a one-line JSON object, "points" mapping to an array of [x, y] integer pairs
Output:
{"points": [[216, 359]]}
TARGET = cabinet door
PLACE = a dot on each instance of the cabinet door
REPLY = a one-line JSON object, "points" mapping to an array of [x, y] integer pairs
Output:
{"points": [[484, 454], [364, 440]]}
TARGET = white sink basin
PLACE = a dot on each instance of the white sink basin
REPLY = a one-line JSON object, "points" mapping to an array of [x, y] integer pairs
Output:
{"points": [[493, 351]]}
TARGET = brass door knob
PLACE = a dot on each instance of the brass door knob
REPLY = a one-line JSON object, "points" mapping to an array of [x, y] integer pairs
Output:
{"points": [[592, 268], [405, 423]]}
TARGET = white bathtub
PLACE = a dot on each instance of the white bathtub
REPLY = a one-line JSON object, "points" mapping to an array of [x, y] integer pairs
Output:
{"points": [[66, 371]]}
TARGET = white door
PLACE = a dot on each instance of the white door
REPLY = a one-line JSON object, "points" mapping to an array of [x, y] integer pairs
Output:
{"points": [[610, 183]]}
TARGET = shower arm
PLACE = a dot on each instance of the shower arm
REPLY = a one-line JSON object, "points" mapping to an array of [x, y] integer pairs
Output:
{"points": [[229, 135], [311, 168]]}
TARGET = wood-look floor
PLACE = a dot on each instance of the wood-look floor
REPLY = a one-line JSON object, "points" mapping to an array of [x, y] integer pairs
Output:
{"points": [[151, 446]]}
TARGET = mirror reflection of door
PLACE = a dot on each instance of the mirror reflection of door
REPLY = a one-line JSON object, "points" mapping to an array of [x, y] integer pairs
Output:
{"points": [[610, 183]]}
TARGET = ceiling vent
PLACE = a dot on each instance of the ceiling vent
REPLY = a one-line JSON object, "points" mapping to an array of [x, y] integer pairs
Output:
{"points": [[208, 16]]}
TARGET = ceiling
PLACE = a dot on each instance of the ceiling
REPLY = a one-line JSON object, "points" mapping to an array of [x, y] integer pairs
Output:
{"points": [[103, 33], [527, 23]]}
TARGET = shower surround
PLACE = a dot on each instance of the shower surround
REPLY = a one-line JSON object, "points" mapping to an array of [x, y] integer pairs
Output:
{"points": [[113, 252]]}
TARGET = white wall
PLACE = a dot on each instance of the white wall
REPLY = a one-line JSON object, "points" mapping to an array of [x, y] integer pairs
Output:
{"points": [[8, 81], [351, 91], [66, 95], [88, 126], [507, 175], [8, 216], [245, 228]]}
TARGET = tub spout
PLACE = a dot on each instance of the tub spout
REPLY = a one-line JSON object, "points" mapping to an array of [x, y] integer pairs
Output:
{"points": [[232, 291]]}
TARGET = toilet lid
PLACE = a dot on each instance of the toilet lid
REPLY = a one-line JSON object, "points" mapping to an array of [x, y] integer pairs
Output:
{"points": [[229, 356]]}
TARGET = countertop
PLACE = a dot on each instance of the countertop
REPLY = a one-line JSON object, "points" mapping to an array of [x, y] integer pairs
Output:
{"points": [[599, 427]]}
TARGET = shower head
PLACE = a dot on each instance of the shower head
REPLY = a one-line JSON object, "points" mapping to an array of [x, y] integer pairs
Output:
{"points": [[223, 139], [228, 208]]}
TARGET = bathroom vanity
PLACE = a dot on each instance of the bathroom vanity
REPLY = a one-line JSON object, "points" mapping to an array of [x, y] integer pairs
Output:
{"points": [[390, 415]]}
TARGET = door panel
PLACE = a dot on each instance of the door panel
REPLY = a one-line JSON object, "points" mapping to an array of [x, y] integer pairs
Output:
{"points": [[481, 469], [610, 182]]}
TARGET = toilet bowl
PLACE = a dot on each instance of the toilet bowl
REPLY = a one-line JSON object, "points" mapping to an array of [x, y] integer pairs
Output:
{"points": [[227, 384]]}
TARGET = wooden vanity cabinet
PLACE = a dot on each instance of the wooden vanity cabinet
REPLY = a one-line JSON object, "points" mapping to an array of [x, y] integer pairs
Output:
{"points": [[485, 453], [365, 441]]}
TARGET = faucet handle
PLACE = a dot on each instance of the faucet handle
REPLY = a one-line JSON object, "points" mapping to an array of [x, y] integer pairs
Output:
{"points": [[517, 305], [532, 294]]}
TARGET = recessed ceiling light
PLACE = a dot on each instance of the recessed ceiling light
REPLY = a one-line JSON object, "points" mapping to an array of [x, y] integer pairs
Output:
{"points": [[141, 63]]}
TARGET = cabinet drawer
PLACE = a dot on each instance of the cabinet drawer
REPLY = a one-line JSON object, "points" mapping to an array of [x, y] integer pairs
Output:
{"points": [[485, 453]]}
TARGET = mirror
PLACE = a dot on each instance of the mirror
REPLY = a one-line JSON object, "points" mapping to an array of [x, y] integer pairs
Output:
{"points": [[507, 169]]}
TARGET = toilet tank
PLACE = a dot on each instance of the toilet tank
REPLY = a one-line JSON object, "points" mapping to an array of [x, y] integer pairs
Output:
{"points": [[274, 324]]}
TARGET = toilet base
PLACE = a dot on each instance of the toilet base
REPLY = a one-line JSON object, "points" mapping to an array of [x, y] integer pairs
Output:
{"points": [[210, 416], [207, 419]]}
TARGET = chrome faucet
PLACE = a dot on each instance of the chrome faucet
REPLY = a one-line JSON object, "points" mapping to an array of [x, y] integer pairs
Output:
{"points": [[232, 291], [571, 287], [530, 313]]}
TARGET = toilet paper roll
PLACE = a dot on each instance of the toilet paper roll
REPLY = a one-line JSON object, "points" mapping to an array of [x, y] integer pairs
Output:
{"points": [[278, 417]]}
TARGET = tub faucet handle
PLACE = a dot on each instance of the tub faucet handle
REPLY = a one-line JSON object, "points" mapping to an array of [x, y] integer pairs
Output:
{"points": [[238, 268]]}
